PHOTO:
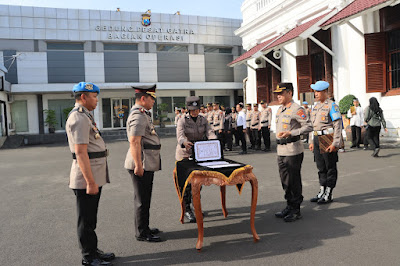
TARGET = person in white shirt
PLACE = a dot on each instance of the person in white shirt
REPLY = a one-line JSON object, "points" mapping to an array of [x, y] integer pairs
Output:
{"points": [[241, 127], [356, 116]]}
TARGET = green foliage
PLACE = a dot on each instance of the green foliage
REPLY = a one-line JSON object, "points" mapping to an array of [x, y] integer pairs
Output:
{"points": [[51, 119], [345, 103], [66, 112], [162, 109]]}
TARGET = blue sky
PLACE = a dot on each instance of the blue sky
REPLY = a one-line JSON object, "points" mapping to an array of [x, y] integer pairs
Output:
{"points": [[211, 8]]}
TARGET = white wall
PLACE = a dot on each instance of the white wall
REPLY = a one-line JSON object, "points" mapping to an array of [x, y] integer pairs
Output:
{"points": [[32, 68], [197, 68], [148, 67], [94, 67]]}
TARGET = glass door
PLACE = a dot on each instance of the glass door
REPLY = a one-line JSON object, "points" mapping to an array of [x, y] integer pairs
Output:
{"points": [[120, 112]]}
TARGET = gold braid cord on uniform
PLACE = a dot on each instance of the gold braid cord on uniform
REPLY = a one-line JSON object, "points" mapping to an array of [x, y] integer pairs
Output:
{"points": [[213, 174]]}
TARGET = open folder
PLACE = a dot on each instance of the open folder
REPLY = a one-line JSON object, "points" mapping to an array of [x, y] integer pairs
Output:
{"points": [[209, 154]]}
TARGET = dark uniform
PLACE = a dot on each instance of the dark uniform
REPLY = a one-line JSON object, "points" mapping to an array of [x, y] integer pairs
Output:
{"points": [[291, 118], [139, 123], [81, 129], [191, 129], [326, 119]]}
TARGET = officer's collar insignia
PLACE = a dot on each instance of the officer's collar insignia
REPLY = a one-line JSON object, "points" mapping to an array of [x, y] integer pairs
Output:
{"points": [[89, 86], [142, 110]]}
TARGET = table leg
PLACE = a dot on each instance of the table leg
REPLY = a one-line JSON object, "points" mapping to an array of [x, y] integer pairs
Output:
{"points": [[254, 194], [182, 212], [196, 185], [223, 200]]}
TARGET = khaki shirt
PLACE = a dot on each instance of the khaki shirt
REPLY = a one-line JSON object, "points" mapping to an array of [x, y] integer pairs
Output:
{"points": [[139, 123], [79, 130], [218, 120], [177, 117], [248, 118], [293, 119], [188, 130], [321, 120], [266, 117], [255, 120], [210, 117]]}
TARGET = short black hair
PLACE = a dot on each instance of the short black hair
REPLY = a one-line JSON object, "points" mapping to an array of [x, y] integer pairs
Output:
{"points": [[77, 95], [140, 95], [241, 105]]}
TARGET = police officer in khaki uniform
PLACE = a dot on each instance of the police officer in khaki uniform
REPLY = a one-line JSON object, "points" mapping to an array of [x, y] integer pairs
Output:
{"points": [[265, 125], [210, 115], [218, 121], [326, 119], [192, 127], [89, 172], [291, 122], [177, 115], [143, 159], [249, 113], [255, 127]]}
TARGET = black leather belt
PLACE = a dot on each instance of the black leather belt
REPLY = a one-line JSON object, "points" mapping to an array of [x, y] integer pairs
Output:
{"points": [[216, 125], [248, 120], [288, 140], [151, 147], [263, 122], [94, 155], [254, 125]]}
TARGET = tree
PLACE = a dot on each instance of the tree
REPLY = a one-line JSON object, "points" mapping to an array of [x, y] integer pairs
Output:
{"points": [[51, 120]]}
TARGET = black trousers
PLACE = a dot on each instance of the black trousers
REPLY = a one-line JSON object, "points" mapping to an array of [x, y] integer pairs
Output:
{"points": [[256, 138], [235, 134], [266, 136], [373, 136], [87, 207], [220, 136], [326, 164], [356, 135], [242, 138], [290, 173], [248, 131], [142, 189], [228, 139]]}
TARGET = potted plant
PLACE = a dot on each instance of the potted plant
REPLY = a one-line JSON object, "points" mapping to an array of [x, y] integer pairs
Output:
{"points": [[162, 109], [51, 120], [344, 105]]}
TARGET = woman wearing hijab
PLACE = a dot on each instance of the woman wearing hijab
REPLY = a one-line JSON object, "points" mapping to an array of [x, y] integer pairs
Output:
{"points": [[373, 116]]}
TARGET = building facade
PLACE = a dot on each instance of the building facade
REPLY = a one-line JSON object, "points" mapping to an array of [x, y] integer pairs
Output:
{"points": [[45, 51], [353, 44]]}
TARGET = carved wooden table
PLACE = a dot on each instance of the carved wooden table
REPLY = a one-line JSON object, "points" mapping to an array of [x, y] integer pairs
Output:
{"points": [[198, 178]]}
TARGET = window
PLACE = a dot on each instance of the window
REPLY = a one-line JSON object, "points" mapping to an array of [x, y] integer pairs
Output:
{"points": [[19, 115], [220, 50], [267, 80], [62, 109], [171, 48], [64, 46], [394, 59], [120, 47]]}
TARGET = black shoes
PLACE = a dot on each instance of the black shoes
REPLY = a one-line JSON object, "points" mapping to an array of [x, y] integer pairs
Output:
{"points": [[376, 152], [105, 256], [243, 152], [283, 212], [266, 150], [319, 195], [190, 216], [327, 197], [293, 216], [154, 231], [149, 238], [95, 262]]}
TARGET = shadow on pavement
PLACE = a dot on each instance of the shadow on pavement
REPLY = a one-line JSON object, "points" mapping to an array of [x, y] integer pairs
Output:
{"points": [[320, 222]]}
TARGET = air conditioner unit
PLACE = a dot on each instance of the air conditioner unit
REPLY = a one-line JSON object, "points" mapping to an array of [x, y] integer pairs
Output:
{"points": [[10, 98], [277, 54]]}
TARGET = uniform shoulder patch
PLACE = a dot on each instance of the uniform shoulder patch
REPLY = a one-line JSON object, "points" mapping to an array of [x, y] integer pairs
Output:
{"points": [[301, 113], [335, 112]]}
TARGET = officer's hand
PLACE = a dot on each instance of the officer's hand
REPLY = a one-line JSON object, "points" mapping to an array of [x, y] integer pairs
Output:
{"points": [[331, 148], [220, 131], [284, 134], [229, 132], [188, 145], [386, 130], [311, 146], [92, 189], [139, 171], [244, 130]]}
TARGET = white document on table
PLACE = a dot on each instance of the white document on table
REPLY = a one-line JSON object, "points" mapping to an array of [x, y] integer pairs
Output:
{"points": [[207, 150], [218, 164]]}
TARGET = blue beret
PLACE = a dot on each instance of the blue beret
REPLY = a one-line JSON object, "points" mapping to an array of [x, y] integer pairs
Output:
{"points": [[305, 102], [85, 87], [320, 85]]}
